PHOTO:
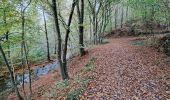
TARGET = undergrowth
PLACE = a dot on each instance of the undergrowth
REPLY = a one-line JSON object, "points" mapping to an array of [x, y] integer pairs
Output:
{"points": [[71, 89]]}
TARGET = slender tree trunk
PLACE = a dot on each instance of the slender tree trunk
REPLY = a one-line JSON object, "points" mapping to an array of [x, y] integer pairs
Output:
{"points": [[55, 38], [54, 7], [29, 70], [93, 12], [25, 55], [116, 17], [66, 38], [127, 11], [102, 24], [7, 33], [11, 75], [91, 33], [22, 55], [94, 28], [81, 27], [169, 20], [122, 18], [24, 50], [169, 25], [46, 34], [152, 20], [13, 68], [145, 19], [110, 17], [55, 47]]}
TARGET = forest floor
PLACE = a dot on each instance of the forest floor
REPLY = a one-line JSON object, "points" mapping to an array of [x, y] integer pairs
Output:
{"points": [[121, 71], [128, 72]]}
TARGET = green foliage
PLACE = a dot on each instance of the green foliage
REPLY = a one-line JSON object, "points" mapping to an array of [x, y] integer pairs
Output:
{"points": [[89, 65], [92, 59], [62, 84], [155, 10], [74, 95], [36, 55], [8, 16]]}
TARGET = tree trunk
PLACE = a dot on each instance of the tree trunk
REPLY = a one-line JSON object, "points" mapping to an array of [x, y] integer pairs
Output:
{"points": [[102, 24], [66, 38], [55, 47], [93, 12], [11, 75], [169, 20], [54, 7], [110, 17], [7, 33], [55, 38], [127, 10], [22, 55], [46, 34], [24, 49], [94, 29], [116, 17], [122, 18], [81, 27], [91, 33]]}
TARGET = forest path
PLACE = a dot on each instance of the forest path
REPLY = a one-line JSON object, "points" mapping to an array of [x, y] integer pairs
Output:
{"points": [[127, 72]]}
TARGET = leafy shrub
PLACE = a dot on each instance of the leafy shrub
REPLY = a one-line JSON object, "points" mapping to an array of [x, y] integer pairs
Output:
{"points": [[36, 55]]}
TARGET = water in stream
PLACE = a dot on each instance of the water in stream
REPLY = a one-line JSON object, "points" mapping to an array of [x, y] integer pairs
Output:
{"points": [[36, 73]]}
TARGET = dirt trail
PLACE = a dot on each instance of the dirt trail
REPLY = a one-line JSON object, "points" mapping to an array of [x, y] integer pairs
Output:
{"points": [[126, 72]]}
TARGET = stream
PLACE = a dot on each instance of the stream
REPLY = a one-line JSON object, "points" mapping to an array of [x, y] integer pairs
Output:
{"points": [[5, 84]]}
